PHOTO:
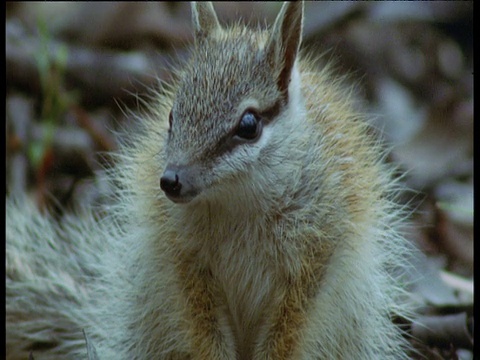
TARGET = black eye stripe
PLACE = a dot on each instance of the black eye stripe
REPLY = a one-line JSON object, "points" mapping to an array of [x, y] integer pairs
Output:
{"points": [[267, 115], [271, 113], [229, 141]]}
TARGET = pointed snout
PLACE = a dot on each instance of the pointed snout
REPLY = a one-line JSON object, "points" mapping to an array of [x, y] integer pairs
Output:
{"points": [[170, 183], [178, 183]]}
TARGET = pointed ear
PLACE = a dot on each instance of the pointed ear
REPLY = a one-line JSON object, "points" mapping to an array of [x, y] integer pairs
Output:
{"points": [[204, 19], [284, 42]]}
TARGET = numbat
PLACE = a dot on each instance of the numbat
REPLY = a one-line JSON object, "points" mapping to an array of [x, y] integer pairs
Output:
{"points": [[254, 219]]}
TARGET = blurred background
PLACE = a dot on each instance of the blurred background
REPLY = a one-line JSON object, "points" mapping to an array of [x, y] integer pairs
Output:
{"points": [[74, 70]]}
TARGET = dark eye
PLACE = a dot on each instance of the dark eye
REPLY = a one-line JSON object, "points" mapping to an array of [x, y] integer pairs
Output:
{"points": [[250, 126]]}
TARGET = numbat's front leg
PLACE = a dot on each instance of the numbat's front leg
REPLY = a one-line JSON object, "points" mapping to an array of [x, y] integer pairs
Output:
{"points": [[210, 335]]}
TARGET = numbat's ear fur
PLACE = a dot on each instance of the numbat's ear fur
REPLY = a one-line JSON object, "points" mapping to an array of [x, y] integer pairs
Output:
{"points": [[204, 19], [282, 47]]}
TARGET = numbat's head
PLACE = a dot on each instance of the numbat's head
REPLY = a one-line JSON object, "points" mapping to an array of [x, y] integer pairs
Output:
{"points": [[236, 102]]}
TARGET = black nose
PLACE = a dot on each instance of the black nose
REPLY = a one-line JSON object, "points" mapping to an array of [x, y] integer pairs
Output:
{"points": [[170, 183]]}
